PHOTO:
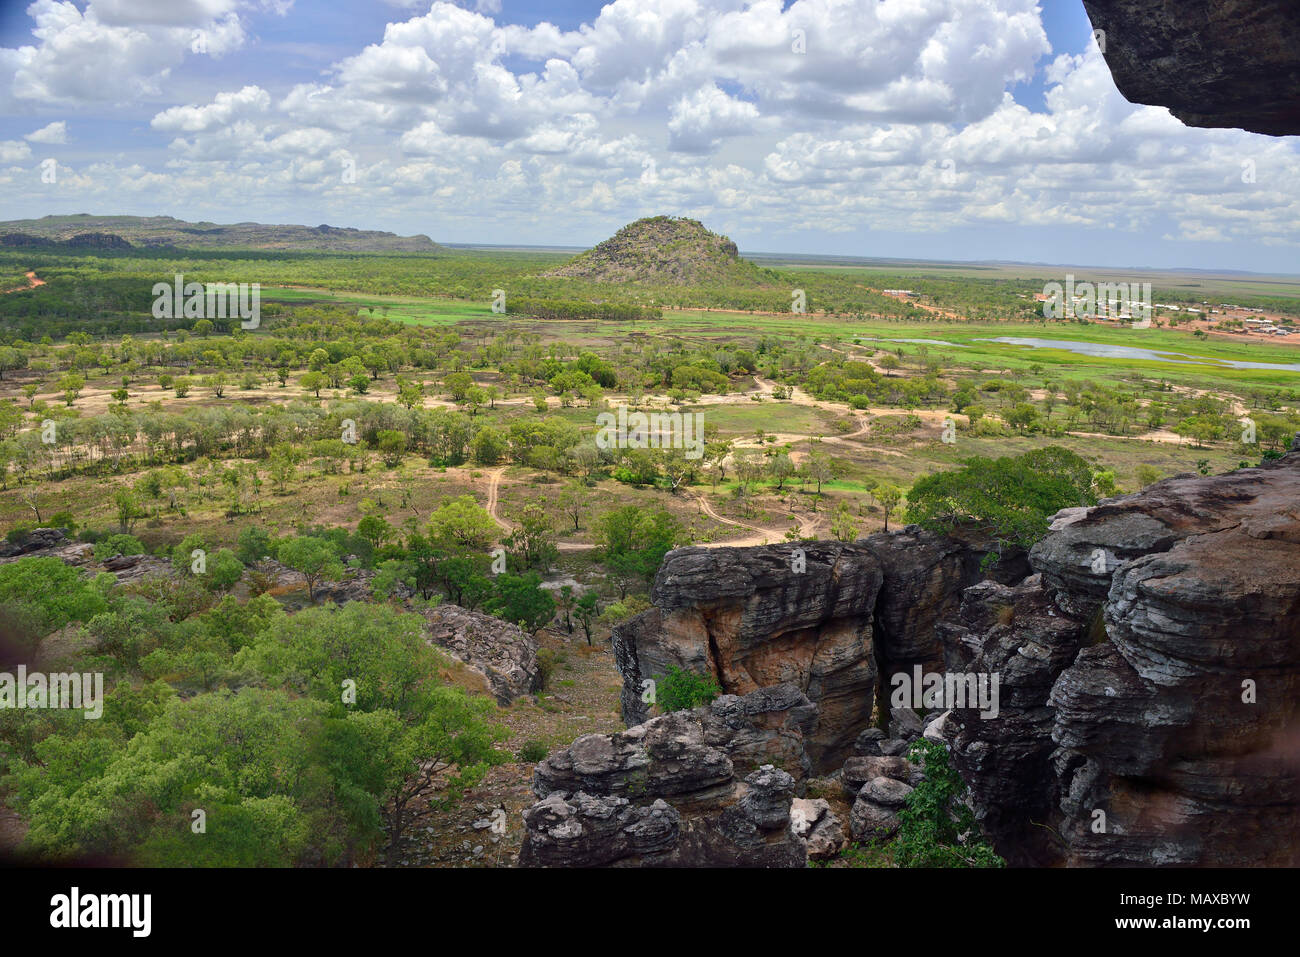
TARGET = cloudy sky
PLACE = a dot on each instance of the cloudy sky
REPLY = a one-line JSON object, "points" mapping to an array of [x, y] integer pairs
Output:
{"points": [[943, 129]]}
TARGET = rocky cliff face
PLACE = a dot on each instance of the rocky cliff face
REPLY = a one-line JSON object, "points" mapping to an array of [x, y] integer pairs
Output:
{"points": [[825, 616], [1150, 712], [1211, 62], [1147, 657]]}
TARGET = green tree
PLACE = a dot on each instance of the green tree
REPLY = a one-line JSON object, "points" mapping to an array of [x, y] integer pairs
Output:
{"points": [[1010, 499], [681, 690], [462, 524], [587, 608], [937, 816], [844, 526], [633, 541], [40, 595], [314, 557], [887, 496], [520, 599], [533, 541]]}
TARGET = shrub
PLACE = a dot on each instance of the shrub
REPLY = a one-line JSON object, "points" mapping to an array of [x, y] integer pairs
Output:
{"points": [[115, 545], [532, 752], [682, 690], [547, 659], [938, 828]]}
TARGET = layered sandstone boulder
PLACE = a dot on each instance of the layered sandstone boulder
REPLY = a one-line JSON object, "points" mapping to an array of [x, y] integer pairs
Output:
{"points": [[504, 654], [712, 787]]}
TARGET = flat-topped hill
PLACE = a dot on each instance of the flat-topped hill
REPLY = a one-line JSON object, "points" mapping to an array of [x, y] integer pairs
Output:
{"points": [[166, 231]]}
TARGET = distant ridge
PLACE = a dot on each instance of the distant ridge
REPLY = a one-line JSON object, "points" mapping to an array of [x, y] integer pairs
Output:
{"points": [[664, 250], [166, 231]]}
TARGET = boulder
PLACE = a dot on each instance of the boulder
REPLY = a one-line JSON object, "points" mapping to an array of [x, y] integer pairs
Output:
{"points": [[133, 568], [871, 822], [36, 540], [818, 825], [868, 742], [728, 773], [857, 771], [758, 617], [504, 654]]}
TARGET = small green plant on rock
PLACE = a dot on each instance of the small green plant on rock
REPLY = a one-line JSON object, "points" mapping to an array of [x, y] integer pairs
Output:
{"points": [[937, 818], [682, 690]]}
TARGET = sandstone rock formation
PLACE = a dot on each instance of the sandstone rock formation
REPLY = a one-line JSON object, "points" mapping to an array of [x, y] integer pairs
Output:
{"points": [[1148, 657], [503, 653], [134, 568], [36, 541], [54, 543], [1150, 678], [1218, 63], [827, 616], [712, 787]]}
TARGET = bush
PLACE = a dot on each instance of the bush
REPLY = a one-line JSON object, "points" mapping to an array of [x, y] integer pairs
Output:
{"points": [[532, 752], [253, 544], [115, 545], [547, 659], [938, 828], [1009, 499], [63, 520], [682, 690]]}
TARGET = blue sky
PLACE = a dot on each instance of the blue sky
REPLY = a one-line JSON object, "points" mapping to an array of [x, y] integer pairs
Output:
{"points": [[943, 129]]}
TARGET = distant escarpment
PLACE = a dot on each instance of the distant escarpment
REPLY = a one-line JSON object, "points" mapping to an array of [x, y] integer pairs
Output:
{"points": [[663, 250], [1146, 655], [109, 241], [124, 232]]}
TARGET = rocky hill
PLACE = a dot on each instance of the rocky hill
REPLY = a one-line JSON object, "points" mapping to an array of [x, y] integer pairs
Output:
{"points": [[664, 250], [165, 231]]}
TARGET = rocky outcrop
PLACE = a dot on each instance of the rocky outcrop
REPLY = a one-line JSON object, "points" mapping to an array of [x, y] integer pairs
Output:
{"points": [[1145, 656], [1019, 634], [1150, 706], [54, 543], [712, 787], [1217, 63], [923, 574], [757, 617], [38, 540], [134, 568], [826, 616], [664, 250], [504, 654]]}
